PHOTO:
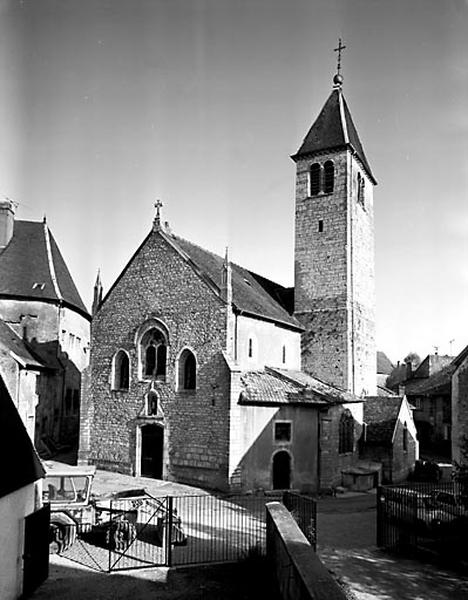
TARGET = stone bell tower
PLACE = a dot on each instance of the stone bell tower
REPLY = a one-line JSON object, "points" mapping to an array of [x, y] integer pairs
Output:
{"points": [[334, 250]]}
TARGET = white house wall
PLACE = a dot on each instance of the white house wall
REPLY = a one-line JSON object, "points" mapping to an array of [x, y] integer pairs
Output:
{"points": [[13, 508], [268, 340]]}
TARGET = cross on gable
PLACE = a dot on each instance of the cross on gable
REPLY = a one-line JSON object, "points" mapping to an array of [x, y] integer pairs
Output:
{"points": [[340, 49], [158, 205]]}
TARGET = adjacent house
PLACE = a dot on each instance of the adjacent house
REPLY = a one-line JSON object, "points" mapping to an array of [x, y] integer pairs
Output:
{"points": [[21, 371], [390, 436], [24, 541], [460, 408], [39, 301], [429, 390]]}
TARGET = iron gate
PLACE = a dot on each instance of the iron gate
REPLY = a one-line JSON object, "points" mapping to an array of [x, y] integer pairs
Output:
{"points": [[181, 530]]}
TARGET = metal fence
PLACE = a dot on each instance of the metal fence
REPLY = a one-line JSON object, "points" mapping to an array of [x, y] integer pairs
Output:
{"points": [[182, 530], [304, 511], [424, 517]]}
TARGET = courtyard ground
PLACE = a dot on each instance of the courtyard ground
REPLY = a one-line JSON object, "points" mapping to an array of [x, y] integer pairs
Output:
{"points": [[346, 535]]}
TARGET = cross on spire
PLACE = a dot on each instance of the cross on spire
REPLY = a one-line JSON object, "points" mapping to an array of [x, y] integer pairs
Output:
{"points": [[339, 50]]}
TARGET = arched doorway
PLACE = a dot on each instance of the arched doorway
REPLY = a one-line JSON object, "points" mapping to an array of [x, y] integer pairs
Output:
{"points": [[281, 470], [152, 443]]}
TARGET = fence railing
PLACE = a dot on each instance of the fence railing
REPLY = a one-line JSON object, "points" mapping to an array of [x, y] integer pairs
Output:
{"points": [[180, 530], [428, 517], [304, 511]]}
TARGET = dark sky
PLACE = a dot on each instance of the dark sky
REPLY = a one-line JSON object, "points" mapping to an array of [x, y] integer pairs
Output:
{"points": [[106, 106]]}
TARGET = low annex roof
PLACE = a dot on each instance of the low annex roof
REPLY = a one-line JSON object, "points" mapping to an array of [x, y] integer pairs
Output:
{"points": [[380, 415], [272, 387], [18, 348], [21, 465], [32, 267], [251, 293]]}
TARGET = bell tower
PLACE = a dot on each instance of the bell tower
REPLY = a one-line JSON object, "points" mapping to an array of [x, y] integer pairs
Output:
{"points": [[334, 250]]}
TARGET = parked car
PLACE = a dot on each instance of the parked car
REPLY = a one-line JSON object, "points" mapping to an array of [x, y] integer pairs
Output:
{"points": [[420, 510], [451, 501]]}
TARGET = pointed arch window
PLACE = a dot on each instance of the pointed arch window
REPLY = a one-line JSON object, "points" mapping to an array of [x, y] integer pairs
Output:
{"points": [[329, 177], [405, 438], [346, 433], [284, 354], [187, 370], [153, 352], [121, 371], [314, 179]]}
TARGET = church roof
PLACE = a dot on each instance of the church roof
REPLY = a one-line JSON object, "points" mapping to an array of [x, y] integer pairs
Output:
{"points": [[273, 386], [17, 347], [21, 465], [384, 364], [251, 293], [380, 415], [32, 268], [333, 129]]}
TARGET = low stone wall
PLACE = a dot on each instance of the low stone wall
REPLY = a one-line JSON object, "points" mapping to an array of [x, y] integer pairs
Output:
{"points": [[300, 573]]}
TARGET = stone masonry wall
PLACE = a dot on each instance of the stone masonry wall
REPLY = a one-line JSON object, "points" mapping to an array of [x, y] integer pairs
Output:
{"points": [[159, 286], [334, 276], [460, 412], [321, 272], [331, 462]]}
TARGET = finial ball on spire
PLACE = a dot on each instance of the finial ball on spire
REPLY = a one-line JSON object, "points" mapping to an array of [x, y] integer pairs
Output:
{"points": [[338, 79]]}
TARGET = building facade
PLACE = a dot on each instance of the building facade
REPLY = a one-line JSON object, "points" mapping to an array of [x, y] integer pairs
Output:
{"points": [[39, 301], [204, 372]]}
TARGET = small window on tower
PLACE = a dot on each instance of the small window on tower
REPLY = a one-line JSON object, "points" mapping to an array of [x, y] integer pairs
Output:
{"points": [[360, 189], [284, 355], [329, 172], [250, 347], [320, 225], [315, 179]]}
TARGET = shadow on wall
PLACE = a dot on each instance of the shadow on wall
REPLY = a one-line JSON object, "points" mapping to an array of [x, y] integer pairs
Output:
{"points": [[282, 451], [59, 392]]}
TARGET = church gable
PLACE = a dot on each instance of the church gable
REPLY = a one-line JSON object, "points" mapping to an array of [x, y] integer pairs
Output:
{"points": [[158, 371]]}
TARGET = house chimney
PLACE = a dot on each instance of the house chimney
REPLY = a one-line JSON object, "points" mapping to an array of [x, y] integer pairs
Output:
{"points": [[409, 369], [7, 221]]}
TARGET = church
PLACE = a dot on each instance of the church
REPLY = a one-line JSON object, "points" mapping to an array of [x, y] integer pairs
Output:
{"points": [[206, 373]]}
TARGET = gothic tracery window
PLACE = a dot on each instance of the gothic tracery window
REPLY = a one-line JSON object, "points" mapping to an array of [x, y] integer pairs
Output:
{"points": [[153, 352], [346, 433]]}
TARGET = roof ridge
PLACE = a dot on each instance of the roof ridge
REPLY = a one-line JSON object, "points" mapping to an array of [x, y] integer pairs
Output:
{"points": [[50, 261]]}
